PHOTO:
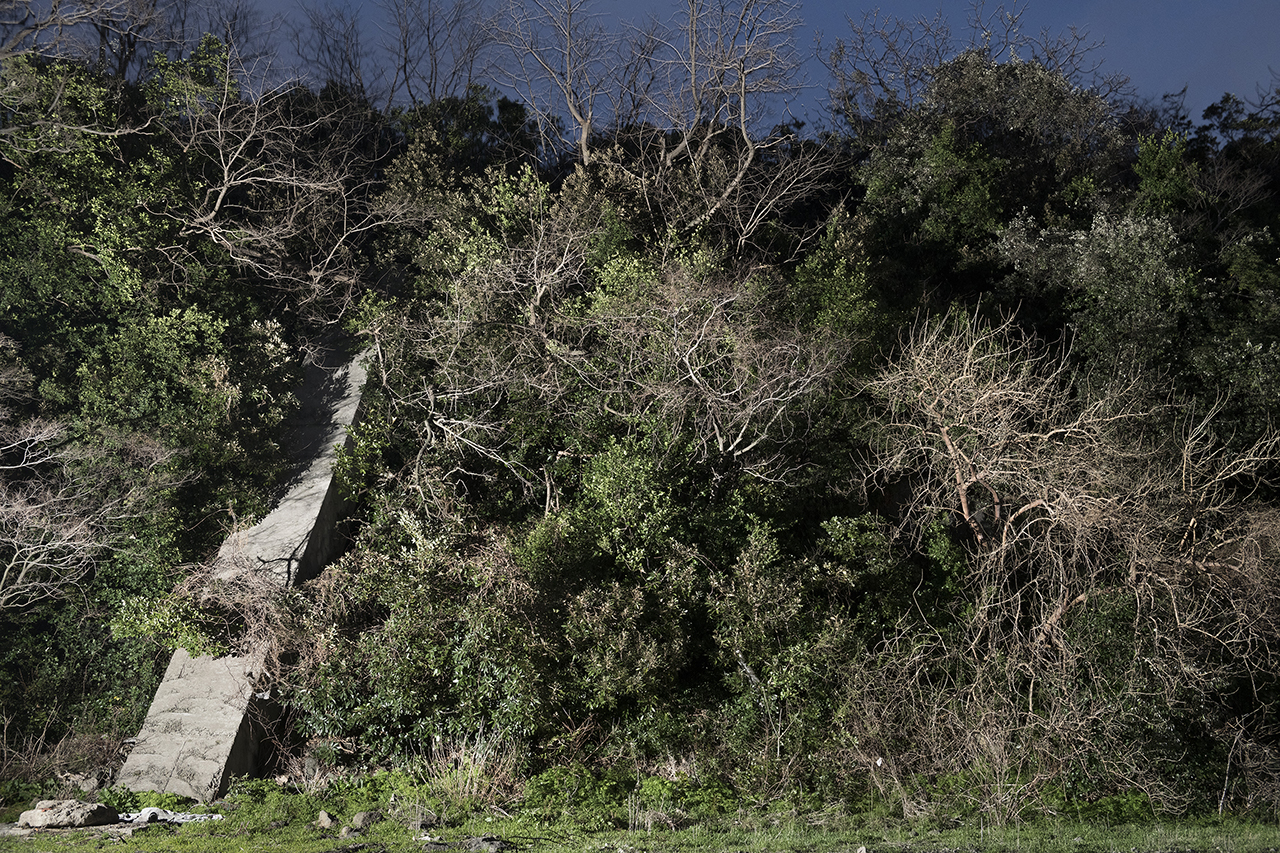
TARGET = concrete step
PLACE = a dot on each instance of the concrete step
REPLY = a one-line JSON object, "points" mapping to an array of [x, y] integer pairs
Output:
{"points": [[204, 727]]}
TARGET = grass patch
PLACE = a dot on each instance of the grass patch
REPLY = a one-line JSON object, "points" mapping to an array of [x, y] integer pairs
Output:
{"points": [[261, 816]]}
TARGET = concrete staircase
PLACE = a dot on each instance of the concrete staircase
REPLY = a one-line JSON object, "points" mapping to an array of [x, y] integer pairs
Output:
{"points": [[208, 721]]}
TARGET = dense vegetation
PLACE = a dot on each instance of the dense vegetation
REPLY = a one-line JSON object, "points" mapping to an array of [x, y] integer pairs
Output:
{"points": [[927, 458]]}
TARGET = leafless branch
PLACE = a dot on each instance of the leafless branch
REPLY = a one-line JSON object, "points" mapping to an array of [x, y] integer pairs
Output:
{"points": [[886, 63], [61, 506], [287, 186], [1075, 505]]}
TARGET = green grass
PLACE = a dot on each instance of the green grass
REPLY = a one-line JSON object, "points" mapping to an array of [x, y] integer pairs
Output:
{"points": [[262, 819]]}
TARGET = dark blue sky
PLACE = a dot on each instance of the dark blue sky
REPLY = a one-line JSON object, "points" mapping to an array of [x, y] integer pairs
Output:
{"points": [[1210, 46]]}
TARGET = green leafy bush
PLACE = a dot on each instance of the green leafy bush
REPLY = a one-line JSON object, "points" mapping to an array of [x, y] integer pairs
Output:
{"points": [[574, 793]]}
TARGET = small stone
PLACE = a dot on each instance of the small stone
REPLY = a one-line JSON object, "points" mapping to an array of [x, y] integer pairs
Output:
{"points": [[86, 782], [61, 814], [363, 820], [325, 820], [349, 832]]}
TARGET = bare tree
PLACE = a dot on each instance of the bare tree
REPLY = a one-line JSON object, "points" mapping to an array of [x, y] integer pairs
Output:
{"points": [[727, 69], [287, 180], [683, 111], [55, 29], [437, 48], [425, 50], [113, 37], [248, 34], [124, 34], [39, 115], [1087, 517], [333, 49], [560, 58], [884, 63], [46, 542], [117, 37], [62, 506]]}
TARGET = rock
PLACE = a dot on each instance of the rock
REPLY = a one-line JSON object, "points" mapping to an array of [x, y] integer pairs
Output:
{"points": [[325, 820], [363, 820], [86, 782], [488, 844], [348, 832], [61, 814]]}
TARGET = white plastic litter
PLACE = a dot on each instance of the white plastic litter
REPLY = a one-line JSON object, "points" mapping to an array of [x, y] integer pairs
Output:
{"points": [[151, 814]]}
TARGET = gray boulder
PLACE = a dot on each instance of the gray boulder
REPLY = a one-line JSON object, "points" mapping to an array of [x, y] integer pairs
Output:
{"points": [[63, 814]]}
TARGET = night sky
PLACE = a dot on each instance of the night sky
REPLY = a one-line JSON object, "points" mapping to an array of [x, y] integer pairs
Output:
{"points": [[1209, 46]]}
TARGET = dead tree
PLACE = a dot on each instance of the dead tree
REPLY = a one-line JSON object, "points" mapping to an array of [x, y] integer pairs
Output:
{"points": [[426, 49], [560, 60], [62, 507], [886, 63], [685, 113]]}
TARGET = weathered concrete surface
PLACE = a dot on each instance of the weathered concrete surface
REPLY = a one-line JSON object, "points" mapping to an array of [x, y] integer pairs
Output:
{"points": [[297, 538], [206, 724]]}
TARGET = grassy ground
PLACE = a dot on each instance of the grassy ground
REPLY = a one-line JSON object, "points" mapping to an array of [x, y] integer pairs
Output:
{"points": [[262, 820]]}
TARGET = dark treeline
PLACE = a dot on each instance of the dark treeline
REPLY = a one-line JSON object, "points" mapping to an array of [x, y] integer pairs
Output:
{"points": [[927, 457]]}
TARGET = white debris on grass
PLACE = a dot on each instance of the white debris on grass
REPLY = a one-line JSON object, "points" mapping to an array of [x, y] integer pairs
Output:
{"points": [[151, 814]]}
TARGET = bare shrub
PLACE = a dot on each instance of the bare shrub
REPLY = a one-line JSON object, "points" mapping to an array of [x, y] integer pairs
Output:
{"points": [[248, 609], [79, 760], [1119, 572], [63, 504]]}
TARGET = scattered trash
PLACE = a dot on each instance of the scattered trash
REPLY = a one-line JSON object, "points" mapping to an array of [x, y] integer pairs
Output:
{"points": [[151, 814]]}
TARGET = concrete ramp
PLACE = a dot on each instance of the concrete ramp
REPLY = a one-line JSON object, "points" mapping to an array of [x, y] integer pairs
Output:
{"points": [[204, 727], [208, 722], [296, 539]]}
